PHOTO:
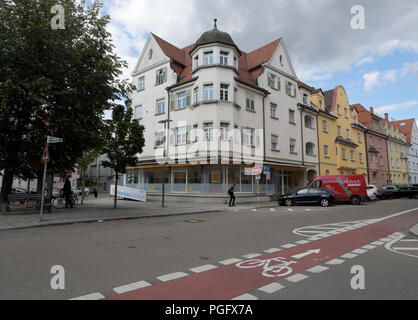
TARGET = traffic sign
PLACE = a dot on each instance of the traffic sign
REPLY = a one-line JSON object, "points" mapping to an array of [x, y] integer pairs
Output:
{"points": [[45, 154], [54, 140], [256, 170], [266, 169]]}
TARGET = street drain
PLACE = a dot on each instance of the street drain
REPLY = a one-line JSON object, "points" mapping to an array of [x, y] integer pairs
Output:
{"points": [[193, 221]]}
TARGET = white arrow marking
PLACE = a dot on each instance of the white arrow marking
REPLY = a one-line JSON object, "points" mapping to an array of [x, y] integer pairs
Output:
{"points": [[307, 253]]}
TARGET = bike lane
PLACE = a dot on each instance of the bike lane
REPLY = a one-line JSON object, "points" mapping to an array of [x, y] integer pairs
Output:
{"points": [[231, 281]]}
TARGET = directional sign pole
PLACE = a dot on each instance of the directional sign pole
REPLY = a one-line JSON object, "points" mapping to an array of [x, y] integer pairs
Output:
{"points": [[43, 191]]}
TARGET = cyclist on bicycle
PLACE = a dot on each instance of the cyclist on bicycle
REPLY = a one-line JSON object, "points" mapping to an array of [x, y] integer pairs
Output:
{"points": [[67, 193]]}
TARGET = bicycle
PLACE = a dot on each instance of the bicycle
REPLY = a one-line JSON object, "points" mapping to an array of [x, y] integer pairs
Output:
{"points": [[277, 270], [59, 202]]}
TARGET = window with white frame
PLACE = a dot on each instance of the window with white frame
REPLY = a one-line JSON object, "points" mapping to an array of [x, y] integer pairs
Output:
{"points": [[290, 89], [306, 99], [339, 130], [196, 94], [347, 133], [249, 102], [224, 131], [273, 111], [360, 156], [249, 137], [309, 122], [326, 151], [208, 58], [159, 139], [310, 149], [292, 145], [352, 155], [338, 109], [141, 83], [343, 154], [208, 92], [223, 93], [160, 106], [181, 135], [160, 76], [224, 58], [359, 137], [381, 160], [273, 81], [196, 61], [371, 140], [292, 116], [208, 130], [324, 125], [181, 100], [274, 142], [138, 112]]}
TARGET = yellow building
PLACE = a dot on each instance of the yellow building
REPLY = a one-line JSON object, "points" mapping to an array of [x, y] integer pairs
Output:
{"points": [[397, 156], [341, 139]]}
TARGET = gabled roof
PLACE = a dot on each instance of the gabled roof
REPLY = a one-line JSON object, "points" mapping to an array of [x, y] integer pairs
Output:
{"points": [[405, 129], [249, 64]]}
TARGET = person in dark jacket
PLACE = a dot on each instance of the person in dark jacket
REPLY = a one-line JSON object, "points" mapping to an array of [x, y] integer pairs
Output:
{"points": [[67, 193], [231, 196]]}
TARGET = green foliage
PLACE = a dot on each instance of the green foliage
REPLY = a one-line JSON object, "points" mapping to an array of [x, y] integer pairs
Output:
{"points": [[54, 82], [124, 139]]}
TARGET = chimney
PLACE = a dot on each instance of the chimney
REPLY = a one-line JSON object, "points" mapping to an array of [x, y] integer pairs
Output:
{"points": [[371, 110], [386, 116]]}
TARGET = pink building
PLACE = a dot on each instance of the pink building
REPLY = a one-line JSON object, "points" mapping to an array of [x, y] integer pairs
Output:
{"points": [[376, 146]]}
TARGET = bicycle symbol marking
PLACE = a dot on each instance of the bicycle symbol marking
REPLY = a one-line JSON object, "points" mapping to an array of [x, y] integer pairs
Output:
{"points": [[275, 267]]}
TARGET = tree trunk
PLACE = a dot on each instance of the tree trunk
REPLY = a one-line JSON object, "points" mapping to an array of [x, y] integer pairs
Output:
{"points": [[83, 185], [5, 189], [116, 190]]}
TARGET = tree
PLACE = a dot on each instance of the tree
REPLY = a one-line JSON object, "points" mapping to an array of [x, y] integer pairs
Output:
{"points": [[53, 82], [124, 140], [82, 163]]}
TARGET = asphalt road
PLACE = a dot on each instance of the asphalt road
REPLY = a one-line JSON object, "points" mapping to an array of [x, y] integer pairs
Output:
{"points": [[99, 257]]}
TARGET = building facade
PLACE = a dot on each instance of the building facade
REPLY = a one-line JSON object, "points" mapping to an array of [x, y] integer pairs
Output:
{"points": [[341, 136], [376, 145], [397, 153], [410, 129], [216, 114]]}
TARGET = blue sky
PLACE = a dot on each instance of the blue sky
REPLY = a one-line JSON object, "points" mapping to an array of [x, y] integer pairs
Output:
{"points": [[377, 65]]}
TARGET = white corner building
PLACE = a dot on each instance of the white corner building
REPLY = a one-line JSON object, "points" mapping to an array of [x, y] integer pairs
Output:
{"points": [[215, 112]]}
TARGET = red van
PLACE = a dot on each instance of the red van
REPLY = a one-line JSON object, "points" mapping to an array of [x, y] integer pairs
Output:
{"points": [[346, 188]]}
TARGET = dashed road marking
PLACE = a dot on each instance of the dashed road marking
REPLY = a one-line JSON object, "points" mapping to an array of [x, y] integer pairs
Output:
{"points": [[230, 261], [377, 243], [302, 241], [349, 256], [317, 269], [272, 287], [272, 250], [335, 262], [172, 276], [368, 247], [297, 277], [359, 251], [131, 287], [246, 296], [406, 249], [203, 268], [290, 245], [91, 296], [251, 255]]}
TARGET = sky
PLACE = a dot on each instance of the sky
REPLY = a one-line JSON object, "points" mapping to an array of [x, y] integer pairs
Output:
{"points": [[375, 58]]}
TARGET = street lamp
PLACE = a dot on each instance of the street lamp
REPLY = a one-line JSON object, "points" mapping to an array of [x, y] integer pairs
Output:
{"points": [[166, 122]]}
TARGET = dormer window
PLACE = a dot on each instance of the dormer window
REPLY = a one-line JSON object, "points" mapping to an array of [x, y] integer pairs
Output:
{"points": [[208, 58], [224, 58]]}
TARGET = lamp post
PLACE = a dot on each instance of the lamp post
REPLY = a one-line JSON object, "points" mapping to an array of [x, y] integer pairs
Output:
{"points": [[165, 122]]}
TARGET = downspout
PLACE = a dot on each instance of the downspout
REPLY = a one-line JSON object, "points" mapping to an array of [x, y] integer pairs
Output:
{"points": [[387, 159], [264, 129], [319, 150], [367, 157], [301, 131]]}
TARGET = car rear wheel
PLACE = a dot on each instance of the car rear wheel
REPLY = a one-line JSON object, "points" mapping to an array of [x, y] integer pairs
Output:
{"points": [[288, 203], [355, 200], [324, 202]]}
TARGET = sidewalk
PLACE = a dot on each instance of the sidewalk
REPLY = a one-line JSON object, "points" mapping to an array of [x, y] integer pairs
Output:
{"points": [[98, 210]]}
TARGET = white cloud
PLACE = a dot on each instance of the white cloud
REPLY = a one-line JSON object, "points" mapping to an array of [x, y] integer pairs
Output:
{"points": [[363, 61], [397, 107], [392, 45], [389, 76], [410, 68], [371, 80]]}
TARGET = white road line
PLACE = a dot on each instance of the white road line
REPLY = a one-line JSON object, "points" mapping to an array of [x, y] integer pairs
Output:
{"points": [[407, 240], [272, 209], [254, 209], [359, 251], [314, 238], [131, 287], [251, 255], [317, 269], [368, 247], [272, 250], [406, 249], [290, 245], [246, 296], [272, 287], [203, 268], [230, 261], [91, 296], [349, 256], [310, 231], [307, 209], [386, 239], [302, 241], [297, 277], [172, 276], [335, 262], [289, 209], [377, 243]]}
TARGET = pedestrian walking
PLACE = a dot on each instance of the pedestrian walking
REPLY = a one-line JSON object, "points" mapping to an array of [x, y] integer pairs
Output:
{"points": [[231, 196], [67, 193]]}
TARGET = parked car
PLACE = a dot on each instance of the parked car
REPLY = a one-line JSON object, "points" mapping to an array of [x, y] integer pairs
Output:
{"points": [[308, 196], [346, 188], [388, 191], [18, 191], [407, 191], [372, 192]]}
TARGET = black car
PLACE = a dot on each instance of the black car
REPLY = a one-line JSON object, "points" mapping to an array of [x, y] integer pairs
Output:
{"points": [[308, 196], [406, 191]]}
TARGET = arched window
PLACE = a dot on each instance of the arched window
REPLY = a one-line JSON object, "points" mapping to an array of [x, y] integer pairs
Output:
{"points": [[310, 149], [327, 172], [309, 122]]}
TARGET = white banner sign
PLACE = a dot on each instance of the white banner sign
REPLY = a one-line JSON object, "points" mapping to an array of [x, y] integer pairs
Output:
{"points": [[129, 193]]}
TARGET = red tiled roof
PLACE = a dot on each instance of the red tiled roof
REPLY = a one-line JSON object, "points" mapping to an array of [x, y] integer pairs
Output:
{"points": [[406, 129], [249, 64]]}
